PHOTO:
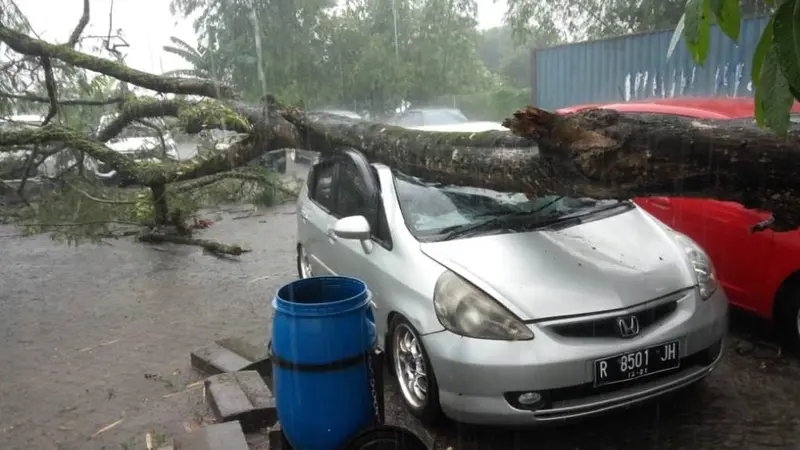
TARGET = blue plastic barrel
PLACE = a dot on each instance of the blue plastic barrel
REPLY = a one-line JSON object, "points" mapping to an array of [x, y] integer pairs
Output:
{"points": [[321, 333]]}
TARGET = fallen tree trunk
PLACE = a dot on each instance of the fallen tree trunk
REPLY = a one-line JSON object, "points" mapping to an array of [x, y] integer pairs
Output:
{"points": [[596, 153], [601, 154]]}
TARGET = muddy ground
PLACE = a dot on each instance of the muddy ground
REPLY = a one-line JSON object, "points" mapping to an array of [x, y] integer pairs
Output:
{"points": [[100, 335]]}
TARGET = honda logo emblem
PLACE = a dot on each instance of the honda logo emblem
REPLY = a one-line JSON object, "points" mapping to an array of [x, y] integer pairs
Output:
{"points": [[627, 326]]}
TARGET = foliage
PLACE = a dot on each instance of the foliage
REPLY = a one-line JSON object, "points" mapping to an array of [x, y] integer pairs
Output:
{"points": [[776, 62], [200, 58], [510, 57], [369, 55], [580, 20]]}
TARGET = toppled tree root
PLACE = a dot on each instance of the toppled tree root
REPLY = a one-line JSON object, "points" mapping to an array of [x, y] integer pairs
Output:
{"points": [[211, 246]]}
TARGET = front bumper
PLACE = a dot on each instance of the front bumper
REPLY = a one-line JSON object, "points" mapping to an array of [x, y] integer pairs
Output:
{"points": [[479, 379]]}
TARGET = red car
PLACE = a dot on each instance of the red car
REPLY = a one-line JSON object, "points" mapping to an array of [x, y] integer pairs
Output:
{"points": [[760, 271]]}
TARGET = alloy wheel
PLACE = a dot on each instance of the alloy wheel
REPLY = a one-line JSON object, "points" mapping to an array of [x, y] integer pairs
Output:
{"points": [[409, 365]]}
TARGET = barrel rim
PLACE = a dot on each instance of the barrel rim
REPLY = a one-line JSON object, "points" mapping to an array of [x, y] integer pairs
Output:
{"points": [[339, 306]]}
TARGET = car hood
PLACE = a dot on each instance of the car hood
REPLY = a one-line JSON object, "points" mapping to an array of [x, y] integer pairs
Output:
{"points": [[612, 263]]}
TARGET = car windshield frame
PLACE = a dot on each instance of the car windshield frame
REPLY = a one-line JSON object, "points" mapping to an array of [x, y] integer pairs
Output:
{"points": [[512, 216]]}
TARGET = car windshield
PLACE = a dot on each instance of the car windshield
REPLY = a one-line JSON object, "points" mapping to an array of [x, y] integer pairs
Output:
{"points": [[436, 212]]}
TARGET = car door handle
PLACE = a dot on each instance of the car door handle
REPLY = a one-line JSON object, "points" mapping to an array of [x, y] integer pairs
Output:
{"points": [[304, 215], [331, 235]]}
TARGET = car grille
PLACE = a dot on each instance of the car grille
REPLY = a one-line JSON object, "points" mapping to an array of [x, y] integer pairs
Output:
{"points": [[606, 327]]}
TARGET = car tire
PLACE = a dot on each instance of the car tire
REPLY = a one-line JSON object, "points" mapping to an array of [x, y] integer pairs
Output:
{"points": [[428, 410], [787, 317]]}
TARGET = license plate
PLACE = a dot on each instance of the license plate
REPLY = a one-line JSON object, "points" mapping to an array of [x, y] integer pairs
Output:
{"points": [[637, 364]]}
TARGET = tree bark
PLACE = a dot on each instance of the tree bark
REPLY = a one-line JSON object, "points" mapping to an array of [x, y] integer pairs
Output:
{"points": [[160, 206], [596, 153]]}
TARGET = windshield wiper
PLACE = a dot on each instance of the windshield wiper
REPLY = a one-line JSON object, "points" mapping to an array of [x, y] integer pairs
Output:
{"points": [[491, 223], [494, 222], [570, 220]]}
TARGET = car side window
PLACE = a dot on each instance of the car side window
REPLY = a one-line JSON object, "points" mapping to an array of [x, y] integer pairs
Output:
{"points": [[352, 193], [323, 188], [353, 200]]}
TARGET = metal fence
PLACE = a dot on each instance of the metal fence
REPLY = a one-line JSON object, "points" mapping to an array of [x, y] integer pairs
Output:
{"points": [[636, 67]]}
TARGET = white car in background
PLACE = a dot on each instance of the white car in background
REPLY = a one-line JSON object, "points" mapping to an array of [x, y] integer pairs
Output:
{"points": [[465, 127], [139, 141]]}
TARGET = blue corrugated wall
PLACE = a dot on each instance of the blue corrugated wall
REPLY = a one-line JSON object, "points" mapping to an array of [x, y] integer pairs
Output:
{"points": [[636, 67]]}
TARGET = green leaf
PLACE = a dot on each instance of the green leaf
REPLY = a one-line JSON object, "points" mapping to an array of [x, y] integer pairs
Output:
{"points": [[786, 40], [764, 44], [697, 32], [676, 36], [773, 98], [729, 17]]}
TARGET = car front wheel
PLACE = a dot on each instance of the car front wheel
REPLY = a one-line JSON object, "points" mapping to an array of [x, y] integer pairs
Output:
{"points": [[413, 371]]}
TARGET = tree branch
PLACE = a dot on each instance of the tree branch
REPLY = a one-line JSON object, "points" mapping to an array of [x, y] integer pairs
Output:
{"points": [[233, 174], [70, 102], [211, 246], [100, 200], [26, 45], [52, 91], [76, 33]]}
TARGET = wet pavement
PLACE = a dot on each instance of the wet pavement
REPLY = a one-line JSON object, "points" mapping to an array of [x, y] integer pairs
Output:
{"points": [[96, 343]]}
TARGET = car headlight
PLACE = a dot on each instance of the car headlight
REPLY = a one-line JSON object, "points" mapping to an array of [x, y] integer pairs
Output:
{"points": [[466, 310], [704, 272]]}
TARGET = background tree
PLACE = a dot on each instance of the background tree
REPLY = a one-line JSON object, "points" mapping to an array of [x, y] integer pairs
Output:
{"points": [[199, 58], [580, 20]]}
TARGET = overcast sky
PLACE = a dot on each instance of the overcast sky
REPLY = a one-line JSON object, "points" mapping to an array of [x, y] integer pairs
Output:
{"points": [[147, 25]]}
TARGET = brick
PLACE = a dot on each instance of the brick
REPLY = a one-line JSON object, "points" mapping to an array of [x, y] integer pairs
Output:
{"points": [[232, 355], [241, 396], [220, 436]]}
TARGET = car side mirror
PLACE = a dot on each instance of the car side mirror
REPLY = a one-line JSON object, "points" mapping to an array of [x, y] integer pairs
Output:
{"points": [[352, 227], [765, 224]]}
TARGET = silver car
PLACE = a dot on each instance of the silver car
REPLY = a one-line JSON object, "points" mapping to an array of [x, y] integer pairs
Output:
{"points": [[497, 308]]}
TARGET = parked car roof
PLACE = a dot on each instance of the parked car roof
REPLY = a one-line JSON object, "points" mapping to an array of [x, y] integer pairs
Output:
{"points": [[474, 127], [697, 107], [340, 112], [28, 119]]}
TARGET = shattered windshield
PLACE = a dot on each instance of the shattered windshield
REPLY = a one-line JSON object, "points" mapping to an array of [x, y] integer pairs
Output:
{"points": [[431, 210]]}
